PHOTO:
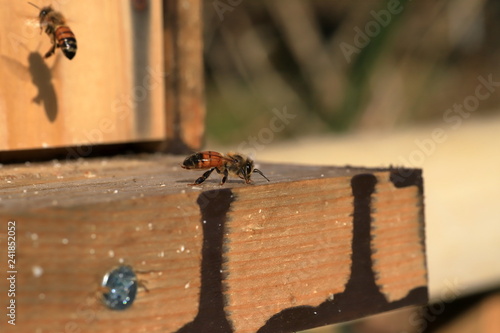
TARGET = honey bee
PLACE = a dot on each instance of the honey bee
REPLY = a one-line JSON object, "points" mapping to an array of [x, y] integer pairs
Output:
{"points": [[231, 163], [60, 34]]}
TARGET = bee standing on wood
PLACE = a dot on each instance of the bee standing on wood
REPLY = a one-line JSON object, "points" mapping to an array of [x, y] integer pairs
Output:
{"points": [[231, 163], [60, 34]]}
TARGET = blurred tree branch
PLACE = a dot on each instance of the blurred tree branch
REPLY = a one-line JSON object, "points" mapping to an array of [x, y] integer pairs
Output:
{"points": [[289, 53]]}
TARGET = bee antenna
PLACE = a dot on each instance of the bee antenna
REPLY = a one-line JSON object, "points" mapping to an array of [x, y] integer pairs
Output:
{"points": [[34, 5], [260, 173]]}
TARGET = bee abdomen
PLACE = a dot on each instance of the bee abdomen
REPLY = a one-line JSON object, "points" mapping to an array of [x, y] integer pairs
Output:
{"points": [[66, 41], [194, 161]]}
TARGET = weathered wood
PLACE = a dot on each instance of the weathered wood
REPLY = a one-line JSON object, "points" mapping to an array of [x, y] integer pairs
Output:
{"points": [[183, 48], [316, 245]]}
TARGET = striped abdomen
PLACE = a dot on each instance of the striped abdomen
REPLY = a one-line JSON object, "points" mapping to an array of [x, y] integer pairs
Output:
{"points": [[205, 160], [66, 40]]}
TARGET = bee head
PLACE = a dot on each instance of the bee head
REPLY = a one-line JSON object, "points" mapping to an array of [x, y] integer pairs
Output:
{"points": [[242, 166], [249, 168], [43, 11]]}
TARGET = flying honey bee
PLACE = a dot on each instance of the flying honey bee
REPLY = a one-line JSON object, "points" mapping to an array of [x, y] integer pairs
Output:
{"points": [[231, 163], [60, 34]]}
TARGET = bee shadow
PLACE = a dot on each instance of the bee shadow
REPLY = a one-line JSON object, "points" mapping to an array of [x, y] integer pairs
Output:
{"points": [[41, 77]]}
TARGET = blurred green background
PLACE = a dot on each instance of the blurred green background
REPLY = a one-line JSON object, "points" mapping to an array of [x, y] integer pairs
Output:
{"points": [[344, 65]]}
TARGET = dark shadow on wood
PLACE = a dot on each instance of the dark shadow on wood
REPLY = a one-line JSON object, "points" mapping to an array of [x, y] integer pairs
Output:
{"points": [[214, 206], [41, 77], [361, 296], [403, 177], [75, 152]]}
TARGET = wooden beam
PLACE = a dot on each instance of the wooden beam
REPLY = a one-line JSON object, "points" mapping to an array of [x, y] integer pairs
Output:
{"points": [[137, 81], [316, 245], [111, 92], [184, 83]]}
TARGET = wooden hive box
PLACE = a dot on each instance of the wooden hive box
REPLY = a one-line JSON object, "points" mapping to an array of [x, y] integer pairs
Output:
{"points": [[316, 245], [131, 80]]}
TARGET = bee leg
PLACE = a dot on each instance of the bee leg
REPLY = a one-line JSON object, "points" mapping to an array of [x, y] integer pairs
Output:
{"points": [[51, 51], [203, 177], [224, 177]]}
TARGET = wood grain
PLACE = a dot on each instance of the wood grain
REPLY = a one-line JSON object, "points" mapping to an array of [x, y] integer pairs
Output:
{"points": [[316, 245], [394, 241], [282, 247], [183, 49]]}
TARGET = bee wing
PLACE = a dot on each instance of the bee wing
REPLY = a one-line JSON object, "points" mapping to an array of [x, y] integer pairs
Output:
{"points": [[214, 156]]}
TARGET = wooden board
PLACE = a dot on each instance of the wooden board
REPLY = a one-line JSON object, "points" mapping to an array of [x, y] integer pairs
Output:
{"points": [[316, 245], [183, 33], [112, 91]]}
